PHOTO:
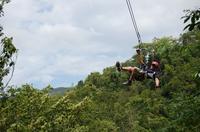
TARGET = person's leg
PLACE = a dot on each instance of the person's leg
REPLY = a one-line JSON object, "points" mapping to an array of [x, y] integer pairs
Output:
{"points": [[128, 68], [132, 71]]}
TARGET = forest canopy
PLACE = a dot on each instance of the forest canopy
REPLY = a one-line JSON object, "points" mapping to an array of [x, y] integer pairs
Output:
{"points": [[101, 103]]}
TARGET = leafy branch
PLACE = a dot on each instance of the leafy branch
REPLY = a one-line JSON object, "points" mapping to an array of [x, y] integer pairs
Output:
{"points": [[194, 17], [7, 52]]}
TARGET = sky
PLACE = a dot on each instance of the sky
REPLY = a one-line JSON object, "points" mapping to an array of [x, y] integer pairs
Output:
{"points": [[62, 41]]}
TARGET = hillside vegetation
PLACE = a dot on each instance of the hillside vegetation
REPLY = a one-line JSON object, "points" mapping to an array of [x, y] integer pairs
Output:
{"points": [[101, 103]]}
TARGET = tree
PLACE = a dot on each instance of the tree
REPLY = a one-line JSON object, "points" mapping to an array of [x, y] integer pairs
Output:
{"points": [[7, 52], [194, 17]]}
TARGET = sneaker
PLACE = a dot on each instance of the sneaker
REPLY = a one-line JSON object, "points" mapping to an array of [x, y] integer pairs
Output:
{"points": [[118, 66], [127, 82]]}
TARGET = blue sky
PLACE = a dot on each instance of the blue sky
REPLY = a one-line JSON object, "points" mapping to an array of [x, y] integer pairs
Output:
{"points": [[60, 42]]}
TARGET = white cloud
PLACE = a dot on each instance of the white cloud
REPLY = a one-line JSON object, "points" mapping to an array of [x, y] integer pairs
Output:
{"points": [[74, 38]]}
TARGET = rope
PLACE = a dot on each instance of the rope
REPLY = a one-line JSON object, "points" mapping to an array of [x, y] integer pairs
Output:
{"points": [[134, 22]]}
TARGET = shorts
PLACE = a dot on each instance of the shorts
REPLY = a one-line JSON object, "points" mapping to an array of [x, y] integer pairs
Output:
{"points": [[150, 74], [143, 67]]}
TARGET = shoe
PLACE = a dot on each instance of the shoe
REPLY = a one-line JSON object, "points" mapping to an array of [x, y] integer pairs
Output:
{"points": [[127, 82], [118, 66]]}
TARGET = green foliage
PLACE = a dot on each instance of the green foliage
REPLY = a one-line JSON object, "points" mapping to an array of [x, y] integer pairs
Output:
{"points": [[101, 103], [194, 17], [2, 2], [7, 52]]}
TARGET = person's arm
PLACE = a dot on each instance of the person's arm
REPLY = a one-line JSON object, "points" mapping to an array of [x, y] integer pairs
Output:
{"points": [[157, 82], [141, 59]]}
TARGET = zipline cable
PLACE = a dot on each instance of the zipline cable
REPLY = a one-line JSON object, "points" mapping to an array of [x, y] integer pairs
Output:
{"points": [[134, 22]]}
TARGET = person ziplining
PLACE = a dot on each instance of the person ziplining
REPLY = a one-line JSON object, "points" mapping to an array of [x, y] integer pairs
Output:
{"points": [[151, 71], [144, 72]]}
